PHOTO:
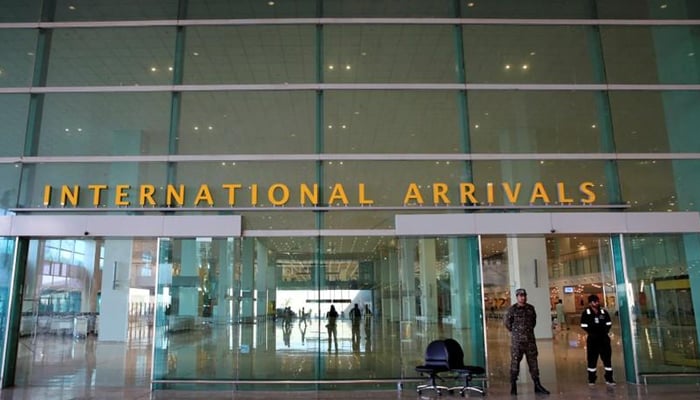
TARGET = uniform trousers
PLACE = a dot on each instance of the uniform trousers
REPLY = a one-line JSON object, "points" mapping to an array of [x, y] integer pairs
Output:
{"points": [[598, 346], [528, 348]]}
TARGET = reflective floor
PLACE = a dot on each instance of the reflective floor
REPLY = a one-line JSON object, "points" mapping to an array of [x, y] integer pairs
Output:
{"points": [[64, 367]]}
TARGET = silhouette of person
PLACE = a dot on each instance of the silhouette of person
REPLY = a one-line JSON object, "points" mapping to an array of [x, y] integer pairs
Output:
{"points": [[355, 319], [332, 327]]}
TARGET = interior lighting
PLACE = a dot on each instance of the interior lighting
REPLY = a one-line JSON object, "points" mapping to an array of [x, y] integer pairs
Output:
{"points": [[532, 53], [593, 126], [196, 128], [663, 6], [195, 54], [470, 4], [330, 126], [525, 66], [154, 69], [210, 127], [170, 68], [343, 126], [507, 66], [347, 67], [270, 3], [71, 7], [691, 54], [476, 126], [331, 67]]}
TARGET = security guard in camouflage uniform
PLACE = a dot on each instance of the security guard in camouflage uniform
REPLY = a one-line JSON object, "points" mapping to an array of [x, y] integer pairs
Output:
{"points": [[595, 320], [520, 320]]}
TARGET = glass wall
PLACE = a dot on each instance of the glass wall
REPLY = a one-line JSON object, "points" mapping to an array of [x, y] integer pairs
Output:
{"points": [[258, 308], [87, 312], [7, 253], [664, 301]]}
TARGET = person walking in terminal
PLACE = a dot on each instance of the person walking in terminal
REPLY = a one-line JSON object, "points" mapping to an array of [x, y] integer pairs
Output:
{"points": [[561, 316], [520, 320], [595, 320]]}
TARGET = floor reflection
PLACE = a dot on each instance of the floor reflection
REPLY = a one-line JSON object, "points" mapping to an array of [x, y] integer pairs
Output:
{"points": [[298, 350]]}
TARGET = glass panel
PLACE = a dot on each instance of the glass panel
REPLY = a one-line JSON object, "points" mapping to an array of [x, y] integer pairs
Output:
{"points": [[17, 47], [434, 275], [634, 9], [534, 122], [369, 219], [391, 122], [529, 54], [388, 9], [262, 54], [9, 182], [664, 301], [69, 301], [35, 177], [258, 220], [529, 9], [105, 124], [251, 9], [7, 252], [13, 114], [111, 56], [107, 10], [551, 172], [265, 185], [388, 54], [657, 54], [386, 183], [661, 188], [669, 122], [230, 123], [20, 10]]}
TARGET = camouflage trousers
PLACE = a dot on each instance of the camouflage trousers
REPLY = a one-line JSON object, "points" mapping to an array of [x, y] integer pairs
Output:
{"points": [[518, 349]]}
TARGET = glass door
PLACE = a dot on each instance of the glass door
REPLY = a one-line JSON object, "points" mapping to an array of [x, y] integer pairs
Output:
{"points": [[86, 312]]}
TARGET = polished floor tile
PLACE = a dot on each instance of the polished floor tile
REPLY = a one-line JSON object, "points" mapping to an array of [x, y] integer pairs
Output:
{"points": [[62, 367]]}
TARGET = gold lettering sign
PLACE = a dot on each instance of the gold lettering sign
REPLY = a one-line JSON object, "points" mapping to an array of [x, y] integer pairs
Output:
{"points": [[280, 194]]}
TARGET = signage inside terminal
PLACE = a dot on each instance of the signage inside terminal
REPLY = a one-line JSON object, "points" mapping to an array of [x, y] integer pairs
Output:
{"points": [[280, 194]]}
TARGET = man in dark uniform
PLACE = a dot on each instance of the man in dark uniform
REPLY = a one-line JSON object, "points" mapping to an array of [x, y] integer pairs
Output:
{"points": [[520, 320], [596, 321]]}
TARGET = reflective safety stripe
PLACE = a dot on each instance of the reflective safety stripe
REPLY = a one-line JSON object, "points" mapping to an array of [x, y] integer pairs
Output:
{"points": [[584, 325], [608, 323], [608, 368], [588, 311], [591, 369]]}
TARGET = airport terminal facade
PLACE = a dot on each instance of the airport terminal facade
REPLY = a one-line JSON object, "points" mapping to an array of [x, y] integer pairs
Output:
{"points": [[206, 178]]}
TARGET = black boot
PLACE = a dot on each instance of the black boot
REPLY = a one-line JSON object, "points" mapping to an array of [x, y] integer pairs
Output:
{"points": [[609, 378], [539, 388], [513, 388]]}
